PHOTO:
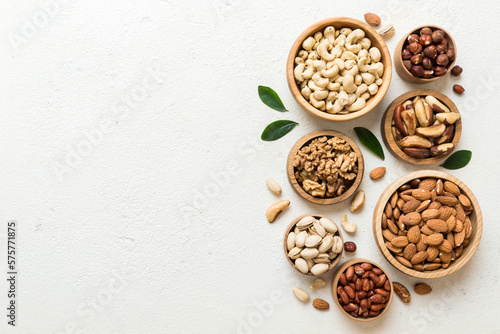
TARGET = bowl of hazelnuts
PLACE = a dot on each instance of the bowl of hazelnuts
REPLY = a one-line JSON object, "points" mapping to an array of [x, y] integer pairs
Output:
{"points": [[425, 54]]}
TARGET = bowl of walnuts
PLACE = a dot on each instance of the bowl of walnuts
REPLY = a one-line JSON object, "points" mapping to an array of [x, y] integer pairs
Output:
{"points": [[325, 167]]}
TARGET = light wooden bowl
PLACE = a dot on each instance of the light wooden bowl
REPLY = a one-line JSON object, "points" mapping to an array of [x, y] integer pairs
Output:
{"points": [[291, 226], [335, 282], [398, 59], [389, 140], [476, 218], [338, 23], [291, 170]]}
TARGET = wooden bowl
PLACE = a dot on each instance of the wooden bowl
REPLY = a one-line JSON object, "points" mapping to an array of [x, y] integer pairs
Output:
{"points": [[389, 140], [291, 170], [338, 23], [398, 59], [476, 218], [291, 226], [335, 282]]}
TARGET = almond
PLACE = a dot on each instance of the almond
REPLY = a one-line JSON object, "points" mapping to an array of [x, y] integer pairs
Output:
{"points": [[392, 248], [432, 266], [451, 222], [430, 214], [427, 184], [409, 251], [422, 289], [378, 173], [419, 257], [426, 230], [445, 212], [459, 237], [438, 225], [372, 19], [448, 201], [388, 235], [451, 188], [321, 304], [421, 194], [464, 200], [300, 294], [421, 245], [413, 234], [404, 261], [400, 242], [432, 252], [434, 239], [412, 218], [446, 246], [411, 206]]}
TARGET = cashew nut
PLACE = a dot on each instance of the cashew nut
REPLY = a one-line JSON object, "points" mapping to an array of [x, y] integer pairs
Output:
{"points": [[373, 89], [308, 43], [361, 89], [348, 227], [348, 83], [352, 38], [353, 71], [375, 54], [348, 64], [333, 86], [275, 209], [377, 69], [319, 65], [309, 71], [303, 54], [339, 62], [348, 55], [306, 92], [329, 73], [330, 34], [352, 97], [365, 43], [332, 96], [318, 36], [321, 94], [343, 98], [320, 81], [364, 53], [323, 52], [317, 103], [345, 31], [358, 80], [358, 105], [378, 81], [368, 78], [298, 70], [362, 64], [340, 41], [313, 86], [365, 96]]}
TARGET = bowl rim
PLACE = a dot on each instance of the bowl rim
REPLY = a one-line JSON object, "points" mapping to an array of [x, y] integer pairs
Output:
{"points": [[477, 223], [386, 124], [335, 281], [291, 174], [292, 225], [372, 102], [399, 49]]}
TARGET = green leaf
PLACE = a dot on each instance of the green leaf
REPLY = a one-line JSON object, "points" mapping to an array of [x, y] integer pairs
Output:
{"points": [[277, 129], [368, 139], [458, 160], [271, 98]]}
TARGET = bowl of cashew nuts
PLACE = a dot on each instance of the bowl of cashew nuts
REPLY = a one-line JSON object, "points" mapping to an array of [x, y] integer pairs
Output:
{"points": [[339, 69]]}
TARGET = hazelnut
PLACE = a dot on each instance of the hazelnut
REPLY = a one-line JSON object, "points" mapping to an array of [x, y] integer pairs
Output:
{"points": [[458, 89], [350, 246], [413, 38], [427, 63], [425, 40], [430, 52], [439, 70], [406, 54], [451, 53], [438, 36], [425, 31], [456, 70], [417, 71], [442, 60], [416, 59], [415, 48], [407, 64], [428, 74], [441, 48]]}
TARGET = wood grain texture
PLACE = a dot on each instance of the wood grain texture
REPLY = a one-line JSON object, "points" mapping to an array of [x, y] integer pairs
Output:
{"points": [[291, 170], [338, 23], [476, 218], [389, 140], [335, 282], [291, 226], [398, 60]]}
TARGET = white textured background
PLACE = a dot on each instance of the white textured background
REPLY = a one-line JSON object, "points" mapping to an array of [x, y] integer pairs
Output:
{"points": [[131, 233]]}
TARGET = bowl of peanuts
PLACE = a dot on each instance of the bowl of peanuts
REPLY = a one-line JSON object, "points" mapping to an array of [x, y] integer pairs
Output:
{"points": [[339, 69]]}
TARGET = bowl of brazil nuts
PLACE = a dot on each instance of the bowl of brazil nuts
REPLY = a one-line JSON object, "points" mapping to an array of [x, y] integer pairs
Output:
{"points": [[428, 224], [422, 126], [325, 167], [313, 244], [339, 69], [362, 290], [425, 54]]}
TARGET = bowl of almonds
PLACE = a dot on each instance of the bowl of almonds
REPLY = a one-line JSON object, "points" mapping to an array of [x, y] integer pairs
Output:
{"points": [[313, 244], [362, 290], [428, 224], [422, 127]]}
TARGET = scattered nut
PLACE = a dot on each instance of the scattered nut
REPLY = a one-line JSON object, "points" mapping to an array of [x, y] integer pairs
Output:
{"points": [[372, 19], [326, 167], [276, 209], [422, 289], [402, 292], [377, 173], [321, 304], [458, 89], [387, 31], [317, 283], [301, 294], [349, 227], [456, 70], [350, 246], [358, 201], [273, 186]]}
